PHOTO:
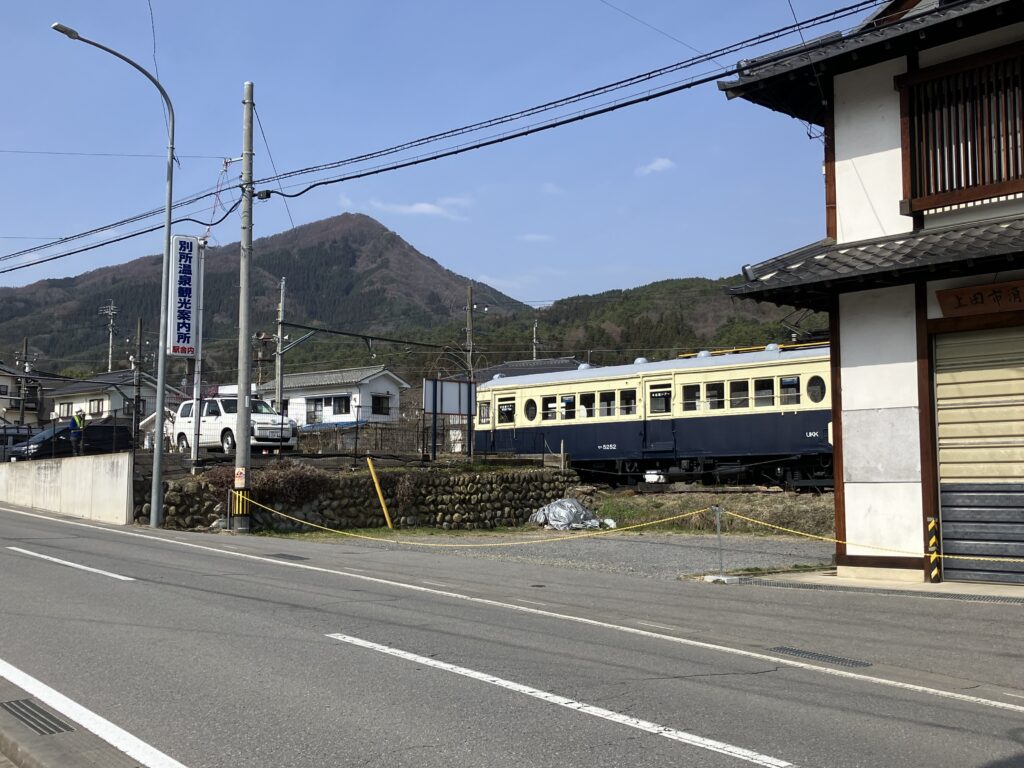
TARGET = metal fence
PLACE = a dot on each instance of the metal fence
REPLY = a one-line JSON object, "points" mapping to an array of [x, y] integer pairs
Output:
{"points": [[408, 433]]}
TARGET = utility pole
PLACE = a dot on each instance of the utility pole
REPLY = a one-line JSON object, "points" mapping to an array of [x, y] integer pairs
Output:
{"points": [[278, 361], [534, 339], [243, 423], [24, 381], [469, 369], [137, 376], [111, 312]]}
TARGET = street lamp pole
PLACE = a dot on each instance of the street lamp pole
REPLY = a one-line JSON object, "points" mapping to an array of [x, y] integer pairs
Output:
{"points": [[156, 514]]}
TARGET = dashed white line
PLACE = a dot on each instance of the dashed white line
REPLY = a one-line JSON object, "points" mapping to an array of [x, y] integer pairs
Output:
{"points": [[692, 739], [524, 600], [715, 647], [435, 583], [117, 737], [659, 626], [1015, 695], [117, 576]]}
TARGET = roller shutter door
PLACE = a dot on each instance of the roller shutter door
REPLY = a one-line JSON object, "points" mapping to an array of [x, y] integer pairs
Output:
{"points": [[979, 403]]}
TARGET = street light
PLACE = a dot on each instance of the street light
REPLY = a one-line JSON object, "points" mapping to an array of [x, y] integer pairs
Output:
{"points": [[157, 495]]}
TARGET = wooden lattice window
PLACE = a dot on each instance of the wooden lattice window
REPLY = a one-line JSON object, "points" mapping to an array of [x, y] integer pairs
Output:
{"points": [[962, 130]]}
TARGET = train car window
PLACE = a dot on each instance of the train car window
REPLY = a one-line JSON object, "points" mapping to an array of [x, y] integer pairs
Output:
{"points": [[587, 408], [789, 390], [739, 394], [691, 397], [607, 403], [549, 408], [530, 409], [568, 406], [506, 410], [764, 393], [483, 413], [627, 402], [816, 389], [660, 399], [715, 394]]}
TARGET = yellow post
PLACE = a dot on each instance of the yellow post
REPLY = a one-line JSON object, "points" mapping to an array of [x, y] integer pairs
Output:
{"points": [[380, 493]]}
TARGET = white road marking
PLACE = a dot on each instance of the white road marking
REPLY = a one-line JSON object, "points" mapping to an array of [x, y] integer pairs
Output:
{"points": [[524, 600], [659, 626], [1015, 695], [722, 747], [71, 565], [117, 737], [777, 660], [435, 583]]}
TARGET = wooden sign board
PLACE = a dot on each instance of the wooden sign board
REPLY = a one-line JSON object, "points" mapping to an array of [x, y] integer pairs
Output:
{"points": [[982, 299]]}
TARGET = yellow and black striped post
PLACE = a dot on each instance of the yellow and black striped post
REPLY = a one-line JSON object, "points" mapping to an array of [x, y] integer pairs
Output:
{"points": [[934, 555], [238, 511]]}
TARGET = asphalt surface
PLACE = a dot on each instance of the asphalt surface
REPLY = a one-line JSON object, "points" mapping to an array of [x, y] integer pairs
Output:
{"points": [[220, 660]]}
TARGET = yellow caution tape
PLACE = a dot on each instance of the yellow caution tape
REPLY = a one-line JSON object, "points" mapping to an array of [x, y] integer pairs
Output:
{"points": [[579, 535]]}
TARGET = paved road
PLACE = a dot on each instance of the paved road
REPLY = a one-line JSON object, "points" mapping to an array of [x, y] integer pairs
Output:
{"points": [[230, 651]]}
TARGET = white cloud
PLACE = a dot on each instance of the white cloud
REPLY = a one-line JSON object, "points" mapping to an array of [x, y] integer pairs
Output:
{"points": [[344, 202], [445, 207], [550, 188], [532, 237], [657, 165]]}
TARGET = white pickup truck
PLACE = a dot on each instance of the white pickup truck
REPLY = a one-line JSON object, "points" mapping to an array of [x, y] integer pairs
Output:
{"points": [[219, 421]]}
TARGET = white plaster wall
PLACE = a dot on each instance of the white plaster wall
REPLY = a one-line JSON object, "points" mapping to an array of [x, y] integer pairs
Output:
{"points": [[878, 348], [87, 487], [886, 516], [869, 164]]}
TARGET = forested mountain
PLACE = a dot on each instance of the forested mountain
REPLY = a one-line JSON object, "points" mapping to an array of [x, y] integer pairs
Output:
{"points": [[352, 273]]}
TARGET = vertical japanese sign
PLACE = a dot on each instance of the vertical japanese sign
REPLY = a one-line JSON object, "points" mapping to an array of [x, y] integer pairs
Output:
{"points": [[186, 288]]}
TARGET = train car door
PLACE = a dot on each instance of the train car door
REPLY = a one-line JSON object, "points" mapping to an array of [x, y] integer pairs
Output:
{"points": [[659, 431]]}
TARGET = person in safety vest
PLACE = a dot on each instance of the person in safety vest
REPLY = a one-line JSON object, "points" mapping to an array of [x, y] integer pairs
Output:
{"points": [[77, 431]]}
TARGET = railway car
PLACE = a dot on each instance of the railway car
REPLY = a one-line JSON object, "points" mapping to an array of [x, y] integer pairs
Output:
{"points": [[762, 416]]}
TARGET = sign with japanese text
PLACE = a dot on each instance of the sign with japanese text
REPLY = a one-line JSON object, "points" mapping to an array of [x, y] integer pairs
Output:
{"points": [[981, 299], [185, 295]]}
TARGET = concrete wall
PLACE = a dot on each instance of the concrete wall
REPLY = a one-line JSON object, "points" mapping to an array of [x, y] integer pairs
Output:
{"points": [[89, 487], [881, 439]]}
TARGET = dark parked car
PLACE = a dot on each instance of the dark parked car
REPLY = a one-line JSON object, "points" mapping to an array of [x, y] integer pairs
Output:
{"points": [[12, 435], [55, 442]]}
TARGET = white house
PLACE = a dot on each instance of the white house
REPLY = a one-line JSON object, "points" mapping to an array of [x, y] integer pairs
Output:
{"points": [[343, 396], [10, 397], [108, 394], [922, 273]]}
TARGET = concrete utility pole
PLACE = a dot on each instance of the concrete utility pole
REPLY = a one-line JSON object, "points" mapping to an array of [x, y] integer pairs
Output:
{"points": [[243, 424], [469, 369], [111, 312], [24, 381], [137, 377], [278, 361]]}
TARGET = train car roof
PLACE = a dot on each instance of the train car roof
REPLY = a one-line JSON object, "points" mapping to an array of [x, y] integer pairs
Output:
{"points": [[732, 359]]}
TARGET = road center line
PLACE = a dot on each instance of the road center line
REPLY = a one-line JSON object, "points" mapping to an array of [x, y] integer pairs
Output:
{"points": [[588, 709], [117, 737], [659, 626], [71, 565], [524, 600], [777, 660], [436, 583]]}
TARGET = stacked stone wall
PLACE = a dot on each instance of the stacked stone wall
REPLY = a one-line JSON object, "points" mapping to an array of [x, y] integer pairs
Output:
{"points": [[415, 498]]}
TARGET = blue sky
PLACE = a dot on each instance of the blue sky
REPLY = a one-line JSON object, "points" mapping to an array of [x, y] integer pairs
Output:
{"points": [[688, 185]]}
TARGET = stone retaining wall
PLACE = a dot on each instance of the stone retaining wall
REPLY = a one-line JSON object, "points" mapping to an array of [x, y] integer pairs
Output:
{"points": [[425, 498]]}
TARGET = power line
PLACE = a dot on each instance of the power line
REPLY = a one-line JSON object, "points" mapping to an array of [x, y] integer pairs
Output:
{"points": [[104, 154], [272, 164], [651, 26]]}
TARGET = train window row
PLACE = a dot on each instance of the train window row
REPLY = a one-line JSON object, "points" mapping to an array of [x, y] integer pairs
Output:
{"points": [[711, 396]]}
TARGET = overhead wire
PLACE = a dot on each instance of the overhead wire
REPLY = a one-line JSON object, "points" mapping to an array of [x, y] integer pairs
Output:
{"points": [[273, 165]]}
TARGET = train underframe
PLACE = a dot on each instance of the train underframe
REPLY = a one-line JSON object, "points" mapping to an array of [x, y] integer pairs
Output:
{"points": [[795, 472]]}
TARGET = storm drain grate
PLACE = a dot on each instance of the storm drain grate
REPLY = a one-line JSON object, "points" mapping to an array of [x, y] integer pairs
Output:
{"points": [[36, 718], [827, 658]]}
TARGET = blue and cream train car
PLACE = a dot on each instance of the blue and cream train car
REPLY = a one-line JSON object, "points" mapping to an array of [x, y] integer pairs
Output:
{"points": [[761, 416]]}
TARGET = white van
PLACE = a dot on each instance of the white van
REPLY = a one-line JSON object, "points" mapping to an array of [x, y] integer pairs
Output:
{"points": [[219, 420]]}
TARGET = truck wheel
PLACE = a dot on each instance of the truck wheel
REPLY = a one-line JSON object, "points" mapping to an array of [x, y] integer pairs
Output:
{"points": [[182, 444], [227, 441]]}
